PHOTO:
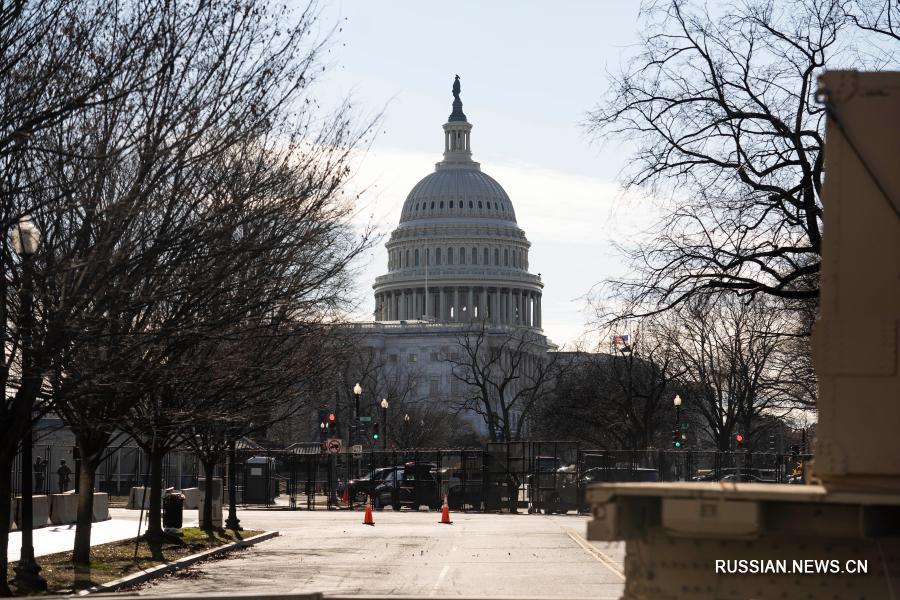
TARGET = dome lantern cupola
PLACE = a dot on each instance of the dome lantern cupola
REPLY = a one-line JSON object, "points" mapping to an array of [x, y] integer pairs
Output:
{"points": [[457, 136]]}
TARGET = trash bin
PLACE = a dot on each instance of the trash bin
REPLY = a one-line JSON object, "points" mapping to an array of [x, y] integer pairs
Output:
{"points": [[173, 510]]}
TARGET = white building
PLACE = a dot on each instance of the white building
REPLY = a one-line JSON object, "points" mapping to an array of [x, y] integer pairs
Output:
{"points": [[457, 259]]}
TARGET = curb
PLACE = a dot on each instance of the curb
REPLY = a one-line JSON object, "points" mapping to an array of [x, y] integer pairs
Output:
{"points": [[160, 570]]}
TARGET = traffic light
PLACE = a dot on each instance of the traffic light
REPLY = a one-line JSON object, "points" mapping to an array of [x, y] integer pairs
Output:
{"points": [[677, 439], [740, 441], [375, 431]]}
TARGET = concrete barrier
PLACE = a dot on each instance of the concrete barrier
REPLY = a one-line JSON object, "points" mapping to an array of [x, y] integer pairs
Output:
{"points": [[216, 502], [63, 508], [135, 497], [40, 511], [101, 506], [191, 498]]}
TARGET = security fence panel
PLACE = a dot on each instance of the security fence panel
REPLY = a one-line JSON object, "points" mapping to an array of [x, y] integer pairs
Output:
{"points": [[551, 483], [507, 465]]}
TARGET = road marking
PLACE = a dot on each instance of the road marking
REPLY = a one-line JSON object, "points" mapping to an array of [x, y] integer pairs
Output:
{"points": [[437, 583], [607, 561]]}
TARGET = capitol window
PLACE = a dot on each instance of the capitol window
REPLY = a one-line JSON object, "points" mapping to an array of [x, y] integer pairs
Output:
{"points": [[413, 358], [474, 256], [437, 256], [470, 204], [432, 206], [451, 204], [442, 204], [417, 257], [505, 257], [449, 256], [487, 257], [462, 256], [479, 204], [496, 257]]}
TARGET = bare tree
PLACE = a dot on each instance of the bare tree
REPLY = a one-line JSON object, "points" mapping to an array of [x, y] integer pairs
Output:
{"points": [[732, 353], [720, 104], [504, 374], [56, 57], [210, 184]]}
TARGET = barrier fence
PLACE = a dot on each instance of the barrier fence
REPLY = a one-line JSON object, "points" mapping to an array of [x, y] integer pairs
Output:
{"points": [[545, 476], [537, 476]]}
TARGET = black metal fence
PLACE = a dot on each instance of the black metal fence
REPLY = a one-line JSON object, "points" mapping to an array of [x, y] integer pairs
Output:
{"points": [[121, 469], [540, 475], [548, 476]]}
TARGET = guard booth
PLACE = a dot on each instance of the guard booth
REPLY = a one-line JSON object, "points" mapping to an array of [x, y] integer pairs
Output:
{"points": [[260, 480]]}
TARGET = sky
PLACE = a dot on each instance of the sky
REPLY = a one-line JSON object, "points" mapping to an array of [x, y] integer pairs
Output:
{"points": [[530, 72]]}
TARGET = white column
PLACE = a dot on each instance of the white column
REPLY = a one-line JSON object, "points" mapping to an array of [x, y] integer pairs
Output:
{"points": [[529, 307], [519, 307], [482, 303], [470, 312]]}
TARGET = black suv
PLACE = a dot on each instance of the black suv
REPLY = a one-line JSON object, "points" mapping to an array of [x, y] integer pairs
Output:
{"points": [[360, 489], [411, 485]]}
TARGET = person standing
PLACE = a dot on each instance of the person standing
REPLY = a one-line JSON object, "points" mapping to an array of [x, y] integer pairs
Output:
{"points": [[40, 466], [63, 472]]}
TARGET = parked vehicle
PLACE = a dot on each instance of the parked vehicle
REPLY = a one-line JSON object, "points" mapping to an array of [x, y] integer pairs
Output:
{"points": [[569, 492], [363, 487], [411, 485]]}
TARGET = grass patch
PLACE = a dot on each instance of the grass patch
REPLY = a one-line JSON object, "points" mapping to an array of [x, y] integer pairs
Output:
{"points": [[117, 559]]}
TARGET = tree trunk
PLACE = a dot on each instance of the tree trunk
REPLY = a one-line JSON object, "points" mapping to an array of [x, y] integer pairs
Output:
{"points": [[154, 512], [81, 552], [5, 504], [208, 469]]}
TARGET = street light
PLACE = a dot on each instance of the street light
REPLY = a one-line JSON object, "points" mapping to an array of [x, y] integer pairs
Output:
{"points": [[354, 424], [384, 406], [677, 436], [232, 522], [25, 241], [406, 430], [357, 391]]}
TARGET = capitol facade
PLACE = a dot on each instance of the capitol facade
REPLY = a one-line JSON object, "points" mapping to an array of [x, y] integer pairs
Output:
{"points": [[457, 260]]}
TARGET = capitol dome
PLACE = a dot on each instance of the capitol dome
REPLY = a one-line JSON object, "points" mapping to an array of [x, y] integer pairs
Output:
{"points": [[458, 253], [457, 193]]}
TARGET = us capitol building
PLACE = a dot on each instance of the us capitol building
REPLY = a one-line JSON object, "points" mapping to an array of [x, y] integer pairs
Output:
{"points": [[457, 260]]}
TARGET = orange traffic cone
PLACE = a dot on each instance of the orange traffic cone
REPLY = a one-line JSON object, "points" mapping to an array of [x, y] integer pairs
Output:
{"points": [[445, 513], [345, 499], [368, 518]]}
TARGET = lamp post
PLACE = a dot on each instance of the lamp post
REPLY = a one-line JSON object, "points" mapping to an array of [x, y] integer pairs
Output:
{"points": [[384, 407], [25, 240], [678, 433], [357, 391], [232, 522], [354, 424], [406, 430]]}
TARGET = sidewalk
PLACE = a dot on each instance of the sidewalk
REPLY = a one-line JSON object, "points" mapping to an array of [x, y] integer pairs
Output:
{"points": [[60, 538]]}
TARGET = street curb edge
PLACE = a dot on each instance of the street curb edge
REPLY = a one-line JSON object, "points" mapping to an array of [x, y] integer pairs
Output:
{"points": [[160, 570]]}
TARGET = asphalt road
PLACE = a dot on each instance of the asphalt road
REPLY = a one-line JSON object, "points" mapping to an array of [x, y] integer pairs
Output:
{"points": [[409, 553]]}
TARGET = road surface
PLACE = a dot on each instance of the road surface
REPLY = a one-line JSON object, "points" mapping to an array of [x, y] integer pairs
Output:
{"points": [[410, 553]]}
